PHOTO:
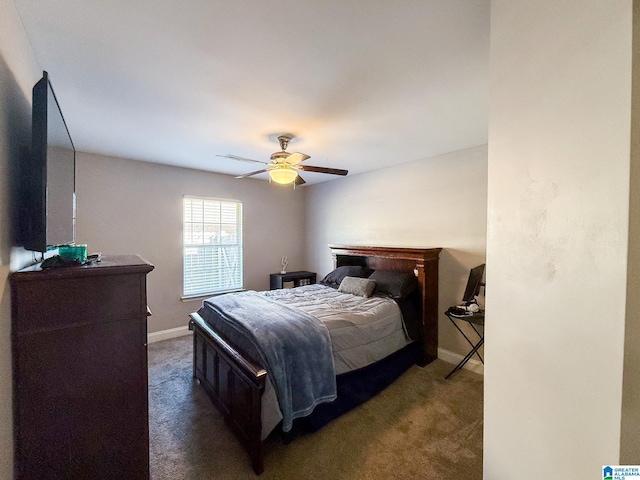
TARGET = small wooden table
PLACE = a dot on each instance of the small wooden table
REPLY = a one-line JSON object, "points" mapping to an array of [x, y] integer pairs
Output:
{"points": [[300, 278]]}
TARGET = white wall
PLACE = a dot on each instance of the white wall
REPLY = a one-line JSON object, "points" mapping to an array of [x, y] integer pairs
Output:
{"points": [[558, 206], [127, 206], [435, 202], [19, 71]]}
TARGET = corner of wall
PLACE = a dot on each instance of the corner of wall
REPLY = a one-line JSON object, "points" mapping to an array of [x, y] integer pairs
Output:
{"points": [[630, 417], [19, 70]]}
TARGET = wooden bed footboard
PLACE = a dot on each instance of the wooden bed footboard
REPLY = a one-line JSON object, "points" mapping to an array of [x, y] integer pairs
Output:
{"points": [[234, 385]]}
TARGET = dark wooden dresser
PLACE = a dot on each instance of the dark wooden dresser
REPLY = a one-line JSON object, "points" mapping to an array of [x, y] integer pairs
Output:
{"points": [[80, 370]]}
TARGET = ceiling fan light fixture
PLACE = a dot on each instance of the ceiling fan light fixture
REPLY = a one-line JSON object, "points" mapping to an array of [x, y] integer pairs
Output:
{"points": [[283, 167], [283, 175]]}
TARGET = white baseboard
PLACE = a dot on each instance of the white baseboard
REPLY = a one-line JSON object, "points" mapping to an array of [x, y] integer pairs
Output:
{"points": [[473, 364], [167, 334]]}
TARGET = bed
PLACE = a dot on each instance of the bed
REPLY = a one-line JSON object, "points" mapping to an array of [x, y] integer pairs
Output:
{"points": [[232, 372]]}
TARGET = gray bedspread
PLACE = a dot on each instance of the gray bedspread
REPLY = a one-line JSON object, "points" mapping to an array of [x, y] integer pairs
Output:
{"points": [[294, 346]]}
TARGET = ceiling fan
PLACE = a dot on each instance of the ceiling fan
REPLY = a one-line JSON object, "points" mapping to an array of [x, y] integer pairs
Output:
{"points": [[284, 166]]}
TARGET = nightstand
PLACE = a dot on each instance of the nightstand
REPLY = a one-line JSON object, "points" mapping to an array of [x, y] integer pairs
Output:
{"points": [[278, 280]]}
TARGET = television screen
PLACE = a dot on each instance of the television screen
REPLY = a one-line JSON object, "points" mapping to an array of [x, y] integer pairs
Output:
{"points": [[49, 180]]}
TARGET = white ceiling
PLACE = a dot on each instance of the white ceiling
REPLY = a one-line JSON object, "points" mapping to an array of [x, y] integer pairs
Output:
{"points": [[362, 84]]}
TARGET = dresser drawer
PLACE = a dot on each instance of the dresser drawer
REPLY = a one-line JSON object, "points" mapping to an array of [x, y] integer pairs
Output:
{"points": [[73, 301]]}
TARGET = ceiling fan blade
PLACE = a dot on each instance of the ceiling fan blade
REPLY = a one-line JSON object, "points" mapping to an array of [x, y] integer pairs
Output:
{"points": [[253, 173], [299, 180], [296, 158], [332, 171], [242, 159]]}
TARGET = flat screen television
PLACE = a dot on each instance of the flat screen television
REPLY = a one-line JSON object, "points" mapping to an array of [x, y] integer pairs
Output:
{"points": [[49, 198]]}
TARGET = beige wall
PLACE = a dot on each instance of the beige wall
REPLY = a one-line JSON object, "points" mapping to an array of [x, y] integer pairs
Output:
{"points": [[14, 129], [435, 202], [125, 206], [558, 209], [630, 423], [19, 71]]}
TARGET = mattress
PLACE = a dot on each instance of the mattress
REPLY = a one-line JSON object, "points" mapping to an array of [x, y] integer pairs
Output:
{"points": [[362, 331]]}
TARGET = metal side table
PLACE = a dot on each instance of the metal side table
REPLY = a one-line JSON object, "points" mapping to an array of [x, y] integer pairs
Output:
{"points": [[475, 320]]}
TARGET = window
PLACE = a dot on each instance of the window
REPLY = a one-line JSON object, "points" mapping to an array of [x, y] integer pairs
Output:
{"points": [[212, 246]]}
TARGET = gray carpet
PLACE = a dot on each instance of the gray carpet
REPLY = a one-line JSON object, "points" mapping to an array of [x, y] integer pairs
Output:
{"points": [[421, 427]]}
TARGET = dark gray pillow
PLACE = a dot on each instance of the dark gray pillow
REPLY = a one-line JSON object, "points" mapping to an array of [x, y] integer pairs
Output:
{"points": [[394, 284], [363, 287], [334, 279]]}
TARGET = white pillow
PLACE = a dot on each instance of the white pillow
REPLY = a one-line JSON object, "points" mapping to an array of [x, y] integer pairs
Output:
{"points": [[363, 287]]}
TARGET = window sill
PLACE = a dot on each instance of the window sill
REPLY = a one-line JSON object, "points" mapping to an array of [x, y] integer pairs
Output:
{"points": [[203, 296]]}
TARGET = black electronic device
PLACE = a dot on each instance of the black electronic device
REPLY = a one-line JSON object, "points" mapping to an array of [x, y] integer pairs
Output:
{"points": [[48, 204], [474, 283]]}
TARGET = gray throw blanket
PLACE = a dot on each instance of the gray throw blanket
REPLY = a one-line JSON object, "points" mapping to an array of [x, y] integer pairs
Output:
{"points": [[294, 345]]}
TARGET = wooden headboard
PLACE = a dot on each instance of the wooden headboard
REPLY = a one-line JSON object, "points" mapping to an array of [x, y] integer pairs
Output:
{"points": [[423, 262]]}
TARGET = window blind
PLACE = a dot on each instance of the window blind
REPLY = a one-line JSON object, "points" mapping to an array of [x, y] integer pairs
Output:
{"points": [[212, 242]]}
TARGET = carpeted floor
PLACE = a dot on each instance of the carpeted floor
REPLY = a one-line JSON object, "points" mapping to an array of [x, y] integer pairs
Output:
{"points": [[421, 427]]}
